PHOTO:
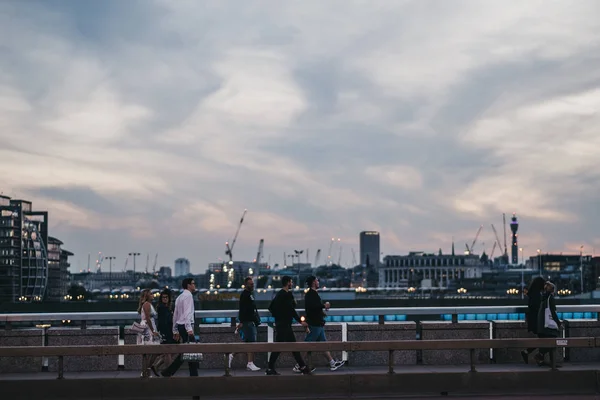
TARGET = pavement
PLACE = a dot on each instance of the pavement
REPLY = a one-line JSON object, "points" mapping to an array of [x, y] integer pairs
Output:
{"points": [[491, 381]]}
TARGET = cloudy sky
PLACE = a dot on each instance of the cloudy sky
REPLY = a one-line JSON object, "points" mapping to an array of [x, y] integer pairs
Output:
{"points": [[150, 126]]}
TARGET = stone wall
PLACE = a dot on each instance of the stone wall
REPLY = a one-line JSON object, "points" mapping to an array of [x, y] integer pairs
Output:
{"points": [[462, 330], [582, 328], [377, 332], [18, 338], [92, 336]]}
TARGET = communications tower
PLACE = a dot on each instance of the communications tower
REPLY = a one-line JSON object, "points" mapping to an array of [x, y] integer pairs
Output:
{"points": [[514, 227]]}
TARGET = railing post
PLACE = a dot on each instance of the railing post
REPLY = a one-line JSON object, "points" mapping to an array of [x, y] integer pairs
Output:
{"points": [[381, 319], [390, 361], [472, 354], [83, 324], [455, 318], [233, 322], [61, 366], [8, 326], [227, 373], [553, 359]]}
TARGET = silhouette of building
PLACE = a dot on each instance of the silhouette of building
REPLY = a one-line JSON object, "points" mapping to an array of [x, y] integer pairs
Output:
{"points": [[23, 251], [369, 248], [182, 267]]}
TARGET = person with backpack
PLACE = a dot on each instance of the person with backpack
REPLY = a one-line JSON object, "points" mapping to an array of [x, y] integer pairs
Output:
{"points": [[283, 309]]}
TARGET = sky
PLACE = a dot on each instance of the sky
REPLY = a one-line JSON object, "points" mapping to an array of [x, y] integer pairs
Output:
{"points": [[150, 125]]}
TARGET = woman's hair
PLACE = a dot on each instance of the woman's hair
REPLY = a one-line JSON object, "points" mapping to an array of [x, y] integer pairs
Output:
{"points": [[143, 296], [536, 285], [166, 292]]}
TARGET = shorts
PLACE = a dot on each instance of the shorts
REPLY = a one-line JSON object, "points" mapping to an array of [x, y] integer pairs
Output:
{"points": [[248, 332], [317, 334]]}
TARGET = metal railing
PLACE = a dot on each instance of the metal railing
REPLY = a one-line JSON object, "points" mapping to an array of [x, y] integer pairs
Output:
{"points": [[373, 314], [228, 348]]}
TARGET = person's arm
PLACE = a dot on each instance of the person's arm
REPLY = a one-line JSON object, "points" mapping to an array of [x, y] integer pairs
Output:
{"points": [[147, 310], [242, 307], [553, 310], [188, 311]]}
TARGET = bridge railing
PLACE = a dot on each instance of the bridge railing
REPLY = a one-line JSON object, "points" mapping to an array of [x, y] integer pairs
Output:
{"points": [[228, 348], [380, 315]]}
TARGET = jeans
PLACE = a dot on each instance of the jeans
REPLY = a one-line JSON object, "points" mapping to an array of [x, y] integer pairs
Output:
{"points": [[176, 364], [249, 332]]}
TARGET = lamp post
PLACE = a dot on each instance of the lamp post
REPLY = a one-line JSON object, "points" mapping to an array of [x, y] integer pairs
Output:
{"points": [[540, 261], [134, 255], [581, 267], [110, 272], [522, 274]]}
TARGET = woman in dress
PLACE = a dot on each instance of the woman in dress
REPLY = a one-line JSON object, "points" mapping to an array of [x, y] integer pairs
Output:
{"points": [[148, 319]]}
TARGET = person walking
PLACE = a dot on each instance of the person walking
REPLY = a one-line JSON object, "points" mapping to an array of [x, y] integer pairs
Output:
{"points": [[165, 328], [183, 326], [248, 321], [283, 309], [150, 335], [534, 299], [315, 318], [548, 322]]}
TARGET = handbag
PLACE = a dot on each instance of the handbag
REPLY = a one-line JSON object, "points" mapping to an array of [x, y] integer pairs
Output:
{"points": [[549, 322], [192, 357], [138, 327]]}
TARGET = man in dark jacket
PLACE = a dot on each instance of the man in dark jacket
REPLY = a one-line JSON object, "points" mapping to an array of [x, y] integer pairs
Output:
{"points": [[283, 309], [547, 327], [315, 318], [248, 320]]}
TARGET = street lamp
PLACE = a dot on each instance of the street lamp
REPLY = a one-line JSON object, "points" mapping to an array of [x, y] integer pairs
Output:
{"points": [[540, 261], [581, 267], [110, 272], [522, 274], [134, 255]]}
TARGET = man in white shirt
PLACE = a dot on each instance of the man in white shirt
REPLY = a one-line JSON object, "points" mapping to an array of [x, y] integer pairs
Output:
{"points": [[183, 326]]}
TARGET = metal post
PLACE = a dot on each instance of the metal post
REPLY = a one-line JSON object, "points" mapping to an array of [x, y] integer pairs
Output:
{"points": [[60, 367], [390, 361], [581, 268], [472, 354], [553, 358], [381, 319], [454, 318], [227, 364]]}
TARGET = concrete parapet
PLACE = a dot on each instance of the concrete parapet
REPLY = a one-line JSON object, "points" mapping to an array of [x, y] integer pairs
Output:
{"points": [[97, 336], [377, 332], [18, 338], [131, 362], [448, 330], [226, 334], [509, 330], [582, 328]]}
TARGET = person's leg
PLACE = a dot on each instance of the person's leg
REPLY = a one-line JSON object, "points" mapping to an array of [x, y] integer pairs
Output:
{"points": [[185, 338], [174, 366], [250, 337], [279, 337], [290, 337]]}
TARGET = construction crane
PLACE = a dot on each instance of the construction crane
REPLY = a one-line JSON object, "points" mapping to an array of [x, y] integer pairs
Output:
{"points": [[493, 250], [497, 238], [155, 262], [228, 249], [147, 261], [126, 261], [353, 258], [99, 262], [470, 249], [317, 258], [340, 257], [329, 253], [259, 255]]}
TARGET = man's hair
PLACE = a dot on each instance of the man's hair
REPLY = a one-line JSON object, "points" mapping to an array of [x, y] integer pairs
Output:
{"points": [[310, 280], [186, 282], [285, 280], [248, 279]]}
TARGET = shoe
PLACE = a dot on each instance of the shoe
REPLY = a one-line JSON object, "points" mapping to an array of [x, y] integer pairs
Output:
{"points": [[297, 369], [164, 375], [271, 372], [230, 359], [525, 356], [251, 367], [306, 371], [336, 365]]}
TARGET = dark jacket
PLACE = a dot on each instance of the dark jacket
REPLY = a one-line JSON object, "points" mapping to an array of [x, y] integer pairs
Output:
{"points": [[533, 310], [541, 316], [248, 311], [283, 308], [165, 322], [313, 305]]}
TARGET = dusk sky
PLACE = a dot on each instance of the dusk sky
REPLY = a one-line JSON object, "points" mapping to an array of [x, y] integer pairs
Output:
{"points": [[149, 126]]}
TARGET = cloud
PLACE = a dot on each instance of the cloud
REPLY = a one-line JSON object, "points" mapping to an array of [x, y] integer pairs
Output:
{"points": [[160, 122]]}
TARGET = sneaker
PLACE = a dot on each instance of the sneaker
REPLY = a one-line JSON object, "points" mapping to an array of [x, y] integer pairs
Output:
{"points": [[230, 359], [336, 364], [252, 367], [297, 369], [306, 370], [525, 356], [271, 372]]}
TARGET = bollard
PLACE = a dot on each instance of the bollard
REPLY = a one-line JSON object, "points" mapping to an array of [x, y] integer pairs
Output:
{"points": [[227, 373], [472, 353], [60, 367], [390, 361]]}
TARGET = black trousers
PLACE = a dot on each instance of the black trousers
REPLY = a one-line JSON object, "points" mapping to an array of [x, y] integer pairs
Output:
{"points": [[176, 364], [284, 333]]}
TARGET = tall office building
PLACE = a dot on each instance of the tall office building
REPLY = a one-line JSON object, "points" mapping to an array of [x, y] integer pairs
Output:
{"points": [[58, 270], [369, 248], [182, 267], [23, 256]]}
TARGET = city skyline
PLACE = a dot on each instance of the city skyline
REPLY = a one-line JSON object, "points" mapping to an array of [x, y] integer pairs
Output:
{"points": [[150, 126]]}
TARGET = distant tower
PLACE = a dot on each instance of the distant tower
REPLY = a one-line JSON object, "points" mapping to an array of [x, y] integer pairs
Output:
{"points": [[514, 227]]}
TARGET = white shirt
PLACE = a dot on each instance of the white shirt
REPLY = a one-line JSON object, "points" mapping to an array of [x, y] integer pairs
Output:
{"points": [[184, 312]]}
